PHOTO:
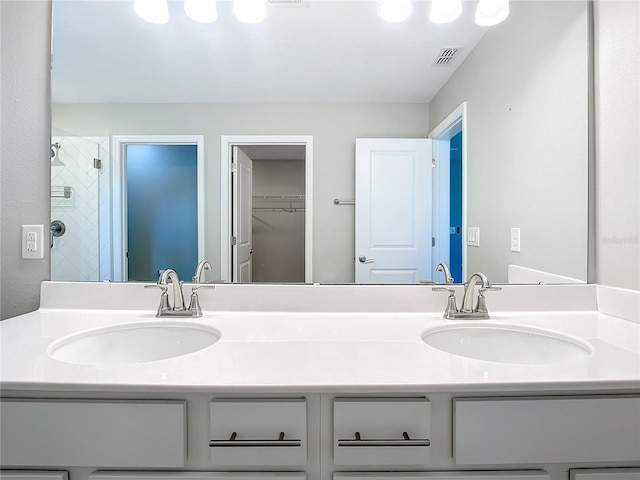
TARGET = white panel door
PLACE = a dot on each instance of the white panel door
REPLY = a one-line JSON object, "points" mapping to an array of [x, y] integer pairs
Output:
{"points": [[242, 220], [393, 210]]}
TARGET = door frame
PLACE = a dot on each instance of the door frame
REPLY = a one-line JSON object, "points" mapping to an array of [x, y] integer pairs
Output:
{"points": [[445, 130], [227, 142], [119, 271]]}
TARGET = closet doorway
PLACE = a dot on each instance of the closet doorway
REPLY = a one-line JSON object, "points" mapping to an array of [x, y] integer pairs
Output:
{"points": [[266, 208]]}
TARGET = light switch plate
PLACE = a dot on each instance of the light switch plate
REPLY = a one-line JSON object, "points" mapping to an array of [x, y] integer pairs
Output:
{"points": [[473, 236], [515, 240]]}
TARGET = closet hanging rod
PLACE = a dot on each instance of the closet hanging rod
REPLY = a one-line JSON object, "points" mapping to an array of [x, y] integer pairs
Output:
{"points": [[283, 210], [278, 197]]}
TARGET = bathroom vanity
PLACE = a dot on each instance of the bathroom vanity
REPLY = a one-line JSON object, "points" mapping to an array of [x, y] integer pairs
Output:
{"points": [[322, 382]]}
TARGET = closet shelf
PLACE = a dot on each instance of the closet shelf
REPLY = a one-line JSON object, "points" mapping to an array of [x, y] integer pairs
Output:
{"points": [[278, 203], [284, 198]]}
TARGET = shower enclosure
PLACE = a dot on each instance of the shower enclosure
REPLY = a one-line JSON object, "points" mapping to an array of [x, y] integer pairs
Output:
{"points": [[80, 207]]}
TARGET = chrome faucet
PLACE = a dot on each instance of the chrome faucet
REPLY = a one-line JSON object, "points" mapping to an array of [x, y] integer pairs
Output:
{"points": [[467, 296], [203, 265], [444, 268], [467, 310], [170, 275], [178, 310]]}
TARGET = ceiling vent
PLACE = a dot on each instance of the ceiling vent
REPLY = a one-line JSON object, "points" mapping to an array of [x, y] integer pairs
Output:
{"points": [[447, 56], [285, 2]]}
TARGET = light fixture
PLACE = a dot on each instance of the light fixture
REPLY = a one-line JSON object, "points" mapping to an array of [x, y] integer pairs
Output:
{"points": [[444, 11], [394, 10], [153, 11], [250, 11], [203, 11], [491, 12]]}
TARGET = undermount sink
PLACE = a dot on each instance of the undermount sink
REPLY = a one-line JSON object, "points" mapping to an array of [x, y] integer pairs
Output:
{"points": [[133, 343], [506, 343]]}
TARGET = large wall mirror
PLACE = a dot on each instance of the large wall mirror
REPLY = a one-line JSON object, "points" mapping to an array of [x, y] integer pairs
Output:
{"points": [[512, 101]]}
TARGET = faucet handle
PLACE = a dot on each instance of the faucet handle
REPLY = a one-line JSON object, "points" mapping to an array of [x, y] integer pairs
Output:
{"points": [[452, 306], [444, 289], [194, 304], [484, 289], [481, 306], [193, 289], [161, 287], [164, 298]]}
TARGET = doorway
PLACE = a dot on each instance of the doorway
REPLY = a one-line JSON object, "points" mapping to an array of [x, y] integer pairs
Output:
{"points": [[158, 206], [450, 193], [266, 208]]}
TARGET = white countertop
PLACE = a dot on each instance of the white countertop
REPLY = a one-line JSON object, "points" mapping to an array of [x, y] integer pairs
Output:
{"points": [[307, 352]]}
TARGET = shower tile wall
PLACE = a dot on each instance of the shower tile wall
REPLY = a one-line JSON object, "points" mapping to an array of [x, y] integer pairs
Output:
{"points": [[83, 253]]}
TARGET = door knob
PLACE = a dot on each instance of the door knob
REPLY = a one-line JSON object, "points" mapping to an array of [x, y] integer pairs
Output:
{"points": [[252, 251], [363, 259]]}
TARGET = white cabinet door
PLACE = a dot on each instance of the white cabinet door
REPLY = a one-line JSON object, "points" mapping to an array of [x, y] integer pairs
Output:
{"points": [[510, 475], [60, 433], [546, 430], [605, 474], [388, 431], [258, 432]]}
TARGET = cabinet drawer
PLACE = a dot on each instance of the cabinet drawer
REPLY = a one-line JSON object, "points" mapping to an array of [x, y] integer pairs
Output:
{"points": [[196, 476], [258, 432], [32, 475], [92, 433], [546, 430], [381, 431], [512, 475], [605, 474]]}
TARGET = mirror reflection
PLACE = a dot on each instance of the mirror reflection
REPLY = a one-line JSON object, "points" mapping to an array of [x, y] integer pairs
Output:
{"points": [[504, 113]]}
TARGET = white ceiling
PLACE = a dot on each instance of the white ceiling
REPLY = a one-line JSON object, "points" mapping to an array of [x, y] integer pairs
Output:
{"points": [[320, 51]]}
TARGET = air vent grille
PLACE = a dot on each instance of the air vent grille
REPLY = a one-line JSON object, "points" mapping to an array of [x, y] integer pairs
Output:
{"points": [[447, 56], [285, 2]]}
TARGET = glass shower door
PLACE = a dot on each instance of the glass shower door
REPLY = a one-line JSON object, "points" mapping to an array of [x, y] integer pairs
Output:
{"points": [[79, 201]]}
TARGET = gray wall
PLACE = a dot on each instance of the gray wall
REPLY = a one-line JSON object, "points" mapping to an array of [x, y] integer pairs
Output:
{"points": [[24, 148], [525, 85], [617, 69], [334, 128], [25, 44]]}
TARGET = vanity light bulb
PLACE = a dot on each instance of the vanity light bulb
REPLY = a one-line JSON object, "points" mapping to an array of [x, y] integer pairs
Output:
{"points": [[394, 10], [491, 12], [152, 11], [444, 11], [250, 11], [202, 11]]}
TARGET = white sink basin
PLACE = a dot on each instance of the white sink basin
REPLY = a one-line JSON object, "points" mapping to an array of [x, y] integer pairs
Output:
{"points": [[506, 343], [133, 343]]}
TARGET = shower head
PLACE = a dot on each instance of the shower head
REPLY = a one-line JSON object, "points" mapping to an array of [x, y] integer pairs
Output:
{"points": [[55, 148]]}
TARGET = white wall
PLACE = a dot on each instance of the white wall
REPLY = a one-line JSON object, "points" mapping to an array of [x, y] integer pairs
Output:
{"points": [[25, 45], [334, 128], [526, 88], [617, 82]]}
